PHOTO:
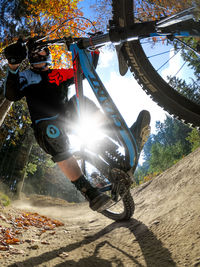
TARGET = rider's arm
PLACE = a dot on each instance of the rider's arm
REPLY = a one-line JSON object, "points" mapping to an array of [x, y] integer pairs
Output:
{"points": [[12, 86], [67, 75], [15, 54]]}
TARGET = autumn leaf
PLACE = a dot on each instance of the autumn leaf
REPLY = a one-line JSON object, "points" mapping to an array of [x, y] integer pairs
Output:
{"points": [[25, 220]]}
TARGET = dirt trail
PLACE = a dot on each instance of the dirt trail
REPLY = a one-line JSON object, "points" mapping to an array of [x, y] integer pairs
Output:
{"points": [[165, 230]]}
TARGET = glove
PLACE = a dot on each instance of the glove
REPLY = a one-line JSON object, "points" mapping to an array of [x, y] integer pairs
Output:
{"points": [[16, 53]]}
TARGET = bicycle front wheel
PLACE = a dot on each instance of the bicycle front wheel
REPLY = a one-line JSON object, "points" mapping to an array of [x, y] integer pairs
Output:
{"points": [[178, 92]]}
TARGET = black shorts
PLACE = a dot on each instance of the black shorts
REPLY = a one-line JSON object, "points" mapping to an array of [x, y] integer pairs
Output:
{"points": [[51, 135]]}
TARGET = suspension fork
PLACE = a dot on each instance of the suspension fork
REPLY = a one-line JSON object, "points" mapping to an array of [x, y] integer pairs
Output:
{"points": [[104, 99]]}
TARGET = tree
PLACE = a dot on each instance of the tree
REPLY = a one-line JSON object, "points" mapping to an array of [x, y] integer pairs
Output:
{"points": [[165, 148], [23, 157], [143, 9], [194, 139], [164, 157], [4, 108], [190, 57], [47, 179], [12, 14], [12, 139], [170, 144]]}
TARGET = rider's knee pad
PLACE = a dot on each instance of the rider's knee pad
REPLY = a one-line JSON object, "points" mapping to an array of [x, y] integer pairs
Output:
{"points": [[52, 138]]}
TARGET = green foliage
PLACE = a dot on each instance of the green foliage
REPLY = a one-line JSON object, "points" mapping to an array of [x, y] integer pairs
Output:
{"points": [[190, 57], [164, 157], [4, 199], [15, 124], [189, 90], [150, 177], [165, 148], [194, 139], [31, 168], [13, 147], [141, 172]]}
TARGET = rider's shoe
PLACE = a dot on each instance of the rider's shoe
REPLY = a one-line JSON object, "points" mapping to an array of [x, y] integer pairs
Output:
{"points": [[141, 128], [97, 200]]}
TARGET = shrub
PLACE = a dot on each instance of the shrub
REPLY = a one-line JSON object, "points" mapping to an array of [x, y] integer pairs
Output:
{"points": [[4, 200]]}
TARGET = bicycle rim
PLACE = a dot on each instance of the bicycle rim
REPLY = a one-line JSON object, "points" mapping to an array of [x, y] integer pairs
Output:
{"points": [[177, 91], [123, 209]]}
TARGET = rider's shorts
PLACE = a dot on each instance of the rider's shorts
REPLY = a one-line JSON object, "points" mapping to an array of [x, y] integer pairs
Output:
{"points": [[52, 138], [51, 135]]}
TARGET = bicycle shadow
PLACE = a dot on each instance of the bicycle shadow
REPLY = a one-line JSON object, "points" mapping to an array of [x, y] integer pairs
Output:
{"points": [[149, 245]]}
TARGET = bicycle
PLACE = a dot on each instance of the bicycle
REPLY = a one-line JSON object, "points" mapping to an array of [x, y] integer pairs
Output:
{"points": [[114, 167]]}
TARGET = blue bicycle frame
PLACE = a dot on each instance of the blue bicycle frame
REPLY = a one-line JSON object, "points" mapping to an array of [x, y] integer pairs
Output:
{"points": [[82, 62]]}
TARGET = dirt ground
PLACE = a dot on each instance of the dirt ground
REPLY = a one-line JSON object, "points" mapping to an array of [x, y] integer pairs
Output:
{"points": [[164, 231]]}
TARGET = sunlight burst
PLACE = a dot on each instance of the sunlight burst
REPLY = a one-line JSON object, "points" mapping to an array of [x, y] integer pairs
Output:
{"points": [[87, 131]]}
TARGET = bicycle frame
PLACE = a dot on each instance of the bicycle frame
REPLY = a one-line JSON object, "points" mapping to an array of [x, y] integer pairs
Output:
{"points": [[82, 62], [118, 34]]}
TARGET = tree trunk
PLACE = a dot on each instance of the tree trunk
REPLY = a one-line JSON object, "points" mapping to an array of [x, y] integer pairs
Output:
{"points": [[2, 99], [25, 152], [5, 106]]}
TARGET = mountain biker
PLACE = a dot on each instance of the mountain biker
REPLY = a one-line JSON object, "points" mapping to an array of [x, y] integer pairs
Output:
{"points": [[46, 90]]}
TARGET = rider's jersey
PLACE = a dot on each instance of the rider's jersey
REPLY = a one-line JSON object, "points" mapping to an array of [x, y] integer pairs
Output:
{"points": [[46, 92]]}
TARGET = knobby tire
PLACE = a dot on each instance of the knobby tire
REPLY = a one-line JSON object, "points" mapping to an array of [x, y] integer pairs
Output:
{"points": [[151, 82], [125, 195]]}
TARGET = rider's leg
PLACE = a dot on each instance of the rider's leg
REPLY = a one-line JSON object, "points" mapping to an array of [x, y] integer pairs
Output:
{"points": [[70, 168], [53, 139], [98, 201]]}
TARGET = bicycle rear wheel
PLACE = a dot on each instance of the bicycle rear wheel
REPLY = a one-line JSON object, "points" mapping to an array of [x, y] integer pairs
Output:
{"points": [[107, 177], [123, 208], [171, 92]]}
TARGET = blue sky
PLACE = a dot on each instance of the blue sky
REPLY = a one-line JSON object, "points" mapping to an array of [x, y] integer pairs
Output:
{"points": [[85, 5]]}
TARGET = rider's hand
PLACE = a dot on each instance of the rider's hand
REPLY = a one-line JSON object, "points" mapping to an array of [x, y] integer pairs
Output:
{"points": [[16, 53]]}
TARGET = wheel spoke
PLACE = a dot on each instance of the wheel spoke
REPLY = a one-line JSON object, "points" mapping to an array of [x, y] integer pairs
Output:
{"points": [[166, 62]]}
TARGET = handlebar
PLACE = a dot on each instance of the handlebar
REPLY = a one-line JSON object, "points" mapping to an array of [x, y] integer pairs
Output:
{"points": [[65, 40], [94, 41]]}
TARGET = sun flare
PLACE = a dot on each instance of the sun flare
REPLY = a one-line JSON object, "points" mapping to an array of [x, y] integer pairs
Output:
{"points": [[87, 132]]}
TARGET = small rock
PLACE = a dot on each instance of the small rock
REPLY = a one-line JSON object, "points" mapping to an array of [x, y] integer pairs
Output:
{"points": [[63, 255], [197, 264], [16, 251], [93, 221], [52, 233], [34, 247], [156, 222], [45, 243], [32, 240]]}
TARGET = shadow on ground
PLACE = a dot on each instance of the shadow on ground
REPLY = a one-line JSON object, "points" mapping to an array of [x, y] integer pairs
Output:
{"points": [[149, 244]]}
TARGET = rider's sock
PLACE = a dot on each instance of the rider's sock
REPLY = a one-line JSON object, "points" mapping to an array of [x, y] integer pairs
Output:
{"points": [[98, 201]]}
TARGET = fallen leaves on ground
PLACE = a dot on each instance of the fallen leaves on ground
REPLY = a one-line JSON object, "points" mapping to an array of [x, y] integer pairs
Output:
{"points": [[8, 236]]}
